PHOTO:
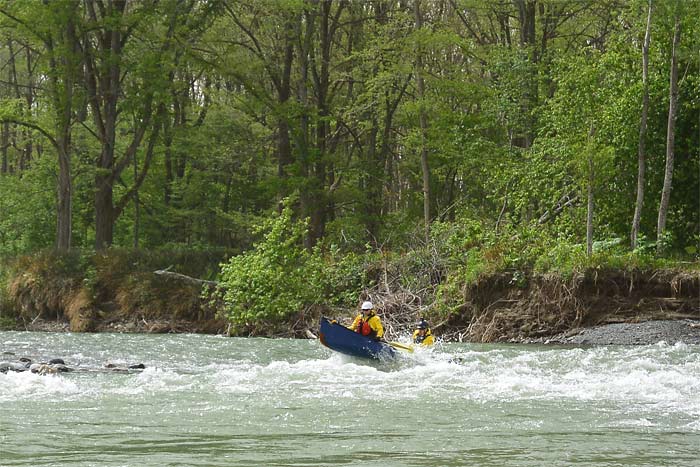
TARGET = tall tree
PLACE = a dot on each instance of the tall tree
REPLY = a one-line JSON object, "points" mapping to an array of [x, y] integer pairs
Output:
{"points": [[670, 134], [269, 40], [590, 190], [641, 153], [108, 47], [423, 120], [382, 87], [56, 31], [63, 78]]}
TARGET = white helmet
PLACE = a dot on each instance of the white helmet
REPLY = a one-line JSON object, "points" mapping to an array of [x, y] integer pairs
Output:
{"points": [[367, 305]]}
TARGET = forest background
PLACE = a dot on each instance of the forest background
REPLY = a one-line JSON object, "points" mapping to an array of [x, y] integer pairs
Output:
{"points": [[483, 163]]}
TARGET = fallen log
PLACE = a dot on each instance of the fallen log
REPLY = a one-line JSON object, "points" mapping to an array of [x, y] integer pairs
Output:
{"points": [[182, 277]]}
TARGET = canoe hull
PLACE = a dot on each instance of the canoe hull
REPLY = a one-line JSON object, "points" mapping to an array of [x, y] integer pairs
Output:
{"points": [[341, 339]]}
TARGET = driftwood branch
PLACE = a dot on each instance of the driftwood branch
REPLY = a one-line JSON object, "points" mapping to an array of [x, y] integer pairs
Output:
{"points": [[564, 202], [182, 277]]}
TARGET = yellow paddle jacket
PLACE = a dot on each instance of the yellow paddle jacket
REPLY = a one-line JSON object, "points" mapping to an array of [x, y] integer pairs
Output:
{"points": [[428, 340], [375, 325]]}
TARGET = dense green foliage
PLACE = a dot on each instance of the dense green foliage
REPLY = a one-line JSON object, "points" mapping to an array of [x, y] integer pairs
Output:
{"points": [[279, 277], [182, 124]]}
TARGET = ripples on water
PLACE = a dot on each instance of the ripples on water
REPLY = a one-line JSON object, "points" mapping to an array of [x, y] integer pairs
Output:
{"points": [[206, 400]]}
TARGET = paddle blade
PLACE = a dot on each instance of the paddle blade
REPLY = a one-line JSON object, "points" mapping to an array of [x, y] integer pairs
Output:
{"points": [[398, 345]]}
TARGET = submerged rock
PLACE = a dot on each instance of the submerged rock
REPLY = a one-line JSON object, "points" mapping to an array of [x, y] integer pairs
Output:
{"points": [[58, 365], [12, 366]]}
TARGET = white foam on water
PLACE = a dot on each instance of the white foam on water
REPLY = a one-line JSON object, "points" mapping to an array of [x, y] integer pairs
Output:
{"points": [[693, 426], [318, 377], [661, 378], [637, 422], [27, 385], [155, 380], [650, 375]]}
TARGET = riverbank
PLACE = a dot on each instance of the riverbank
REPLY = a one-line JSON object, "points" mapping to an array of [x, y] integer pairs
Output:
{"points": [[123, 292], [685, 331], [554, 309], [671, 332]]}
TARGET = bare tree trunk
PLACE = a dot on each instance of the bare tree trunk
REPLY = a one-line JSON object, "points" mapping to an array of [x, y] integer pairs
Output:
{"points": [[63, 101], [280, 76], [62, 48], [670, 137], [12, 79], [590, 203], [103, 51], [323, 168], [420, 87], [104, 86], [527, 16], [641, 156], [167, 156], [308, 195], [65, 205], [590, 206], [137, 210], [285, 157], [370, 185], [374, 175], [26, 158], [5, 144]]}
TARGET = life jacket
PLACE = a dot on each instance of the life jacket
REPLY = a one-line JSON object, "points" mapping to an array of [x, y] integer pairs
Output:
{"points": [[418, 339], [364, 328]]}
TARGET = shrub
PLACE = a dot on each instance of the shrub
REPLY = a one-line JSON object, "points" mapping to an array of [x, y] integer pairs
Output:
{"points": [[275, 279]]}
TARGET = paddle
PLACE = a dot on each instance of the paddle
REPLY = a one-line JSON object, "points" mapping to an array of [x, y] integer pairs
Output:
{"points": [[397, 345]]}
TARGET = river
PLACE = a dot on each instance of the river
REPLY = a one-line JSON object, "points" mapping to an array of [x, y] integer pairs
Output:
{"points": [[215, 401]]}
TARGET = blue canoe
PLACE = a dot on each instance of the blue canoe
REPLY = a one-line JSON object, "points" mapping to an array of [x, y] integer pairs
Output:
{"points": [[341, 339]]}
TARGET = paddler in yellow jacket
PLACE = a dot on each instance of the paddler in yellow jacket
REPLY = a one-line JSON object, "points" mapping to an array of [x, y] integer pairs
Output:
{"points": [[368, 323], [423, 335]]}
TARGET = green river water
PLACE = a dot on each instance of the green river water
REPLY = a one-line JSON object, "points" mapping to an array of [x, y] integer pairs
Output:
{"points": [[216, 401]]}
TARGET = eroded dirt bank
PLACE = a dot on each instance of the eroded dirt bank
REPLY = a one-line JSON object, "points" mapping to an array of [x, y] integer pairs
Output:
{"points": [[505, 308], [596, 307]]}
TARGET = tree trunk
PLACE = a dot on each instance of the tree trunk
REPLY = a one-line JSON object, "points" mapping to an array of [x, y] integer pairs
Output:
{"points": [[371, 184], [137, 209], [63, 102], [321, 79], [26, 158], [590, 206], [308, 198], [62, 51], [5, 145], [104, 195], [64, 210], [104, 220], [104, 56], [641, 156], [670, 137], [12, 79], [590, 192], [423, 119], [527, 15], [167, 157], [103, 60], [284, 91]]}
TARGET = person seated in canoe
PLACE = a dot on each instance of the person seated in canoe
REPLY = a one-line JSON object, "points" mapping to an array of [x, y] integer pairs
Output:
{"points": [[368, 323], [423, 335]]}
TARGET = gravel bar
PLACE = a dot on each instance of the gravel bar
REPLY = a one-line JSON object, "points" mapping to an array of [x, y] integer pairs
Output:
{"points": [[686, 331]]}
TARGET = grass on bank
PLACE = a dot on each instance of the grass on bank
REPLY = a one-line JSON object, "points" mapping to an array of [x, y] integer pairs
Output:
{"points": [[86, 287], [279, 283]]}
